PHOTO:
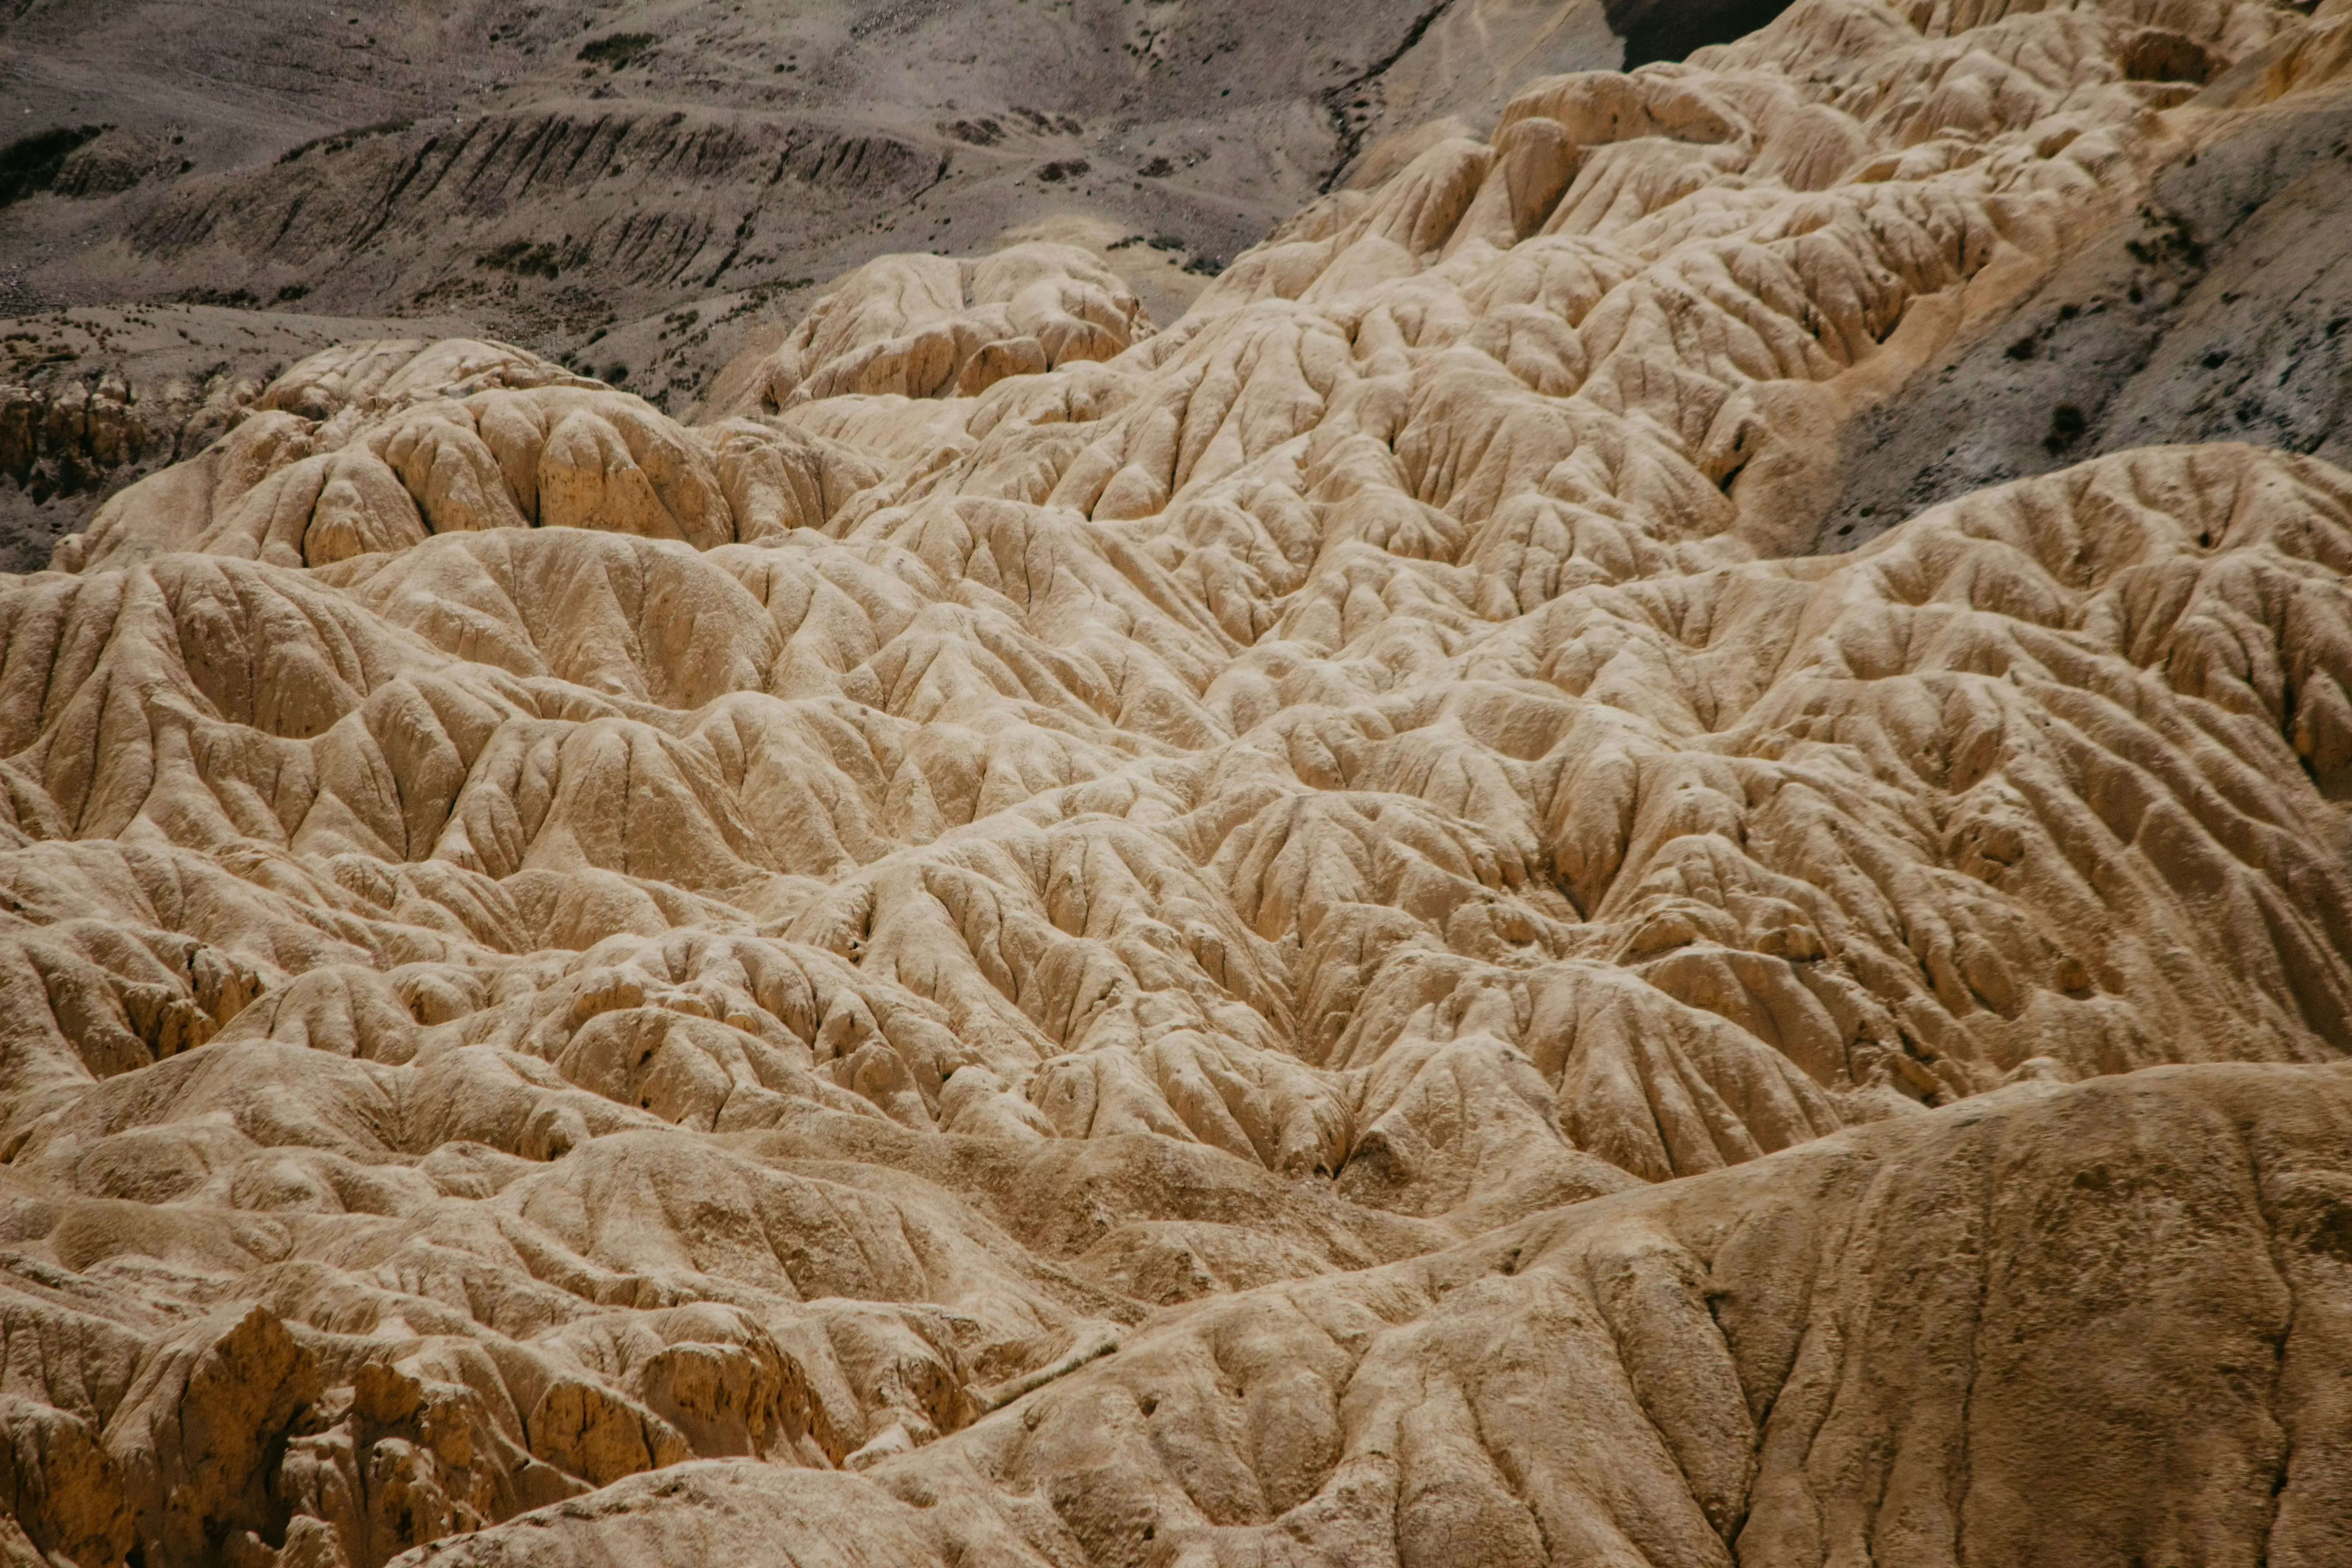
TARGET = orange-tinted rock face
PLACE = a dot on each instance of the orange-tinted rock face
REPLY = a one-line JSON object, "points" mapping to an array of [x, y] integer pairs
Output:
{"points": [[1303, 937]]}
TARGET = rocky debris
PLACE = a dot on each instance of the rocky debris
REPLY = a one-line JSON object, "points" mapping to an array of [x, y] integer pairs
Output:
{"points": [[578, 173], [92, 400], [71, 433], [2217, 306], [477, 185], [106, 164], [31, 164]]}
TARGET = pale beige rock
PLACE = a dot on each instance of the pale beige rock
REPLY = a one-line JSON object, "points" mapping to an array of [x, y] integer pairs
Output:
{"points": [[924, 326], [1300, 939]]}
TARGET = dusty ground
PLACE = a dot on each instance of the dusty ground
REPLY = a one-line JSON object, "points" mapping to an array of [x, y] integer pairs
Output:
{"points": [[641, 190], [2217, 308], [564, 170]]}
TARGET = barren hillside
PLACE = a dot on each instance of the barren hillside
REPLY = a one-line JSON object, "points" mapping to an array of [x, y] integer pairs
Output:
{"points": [[1558, 879], [195, 194]]}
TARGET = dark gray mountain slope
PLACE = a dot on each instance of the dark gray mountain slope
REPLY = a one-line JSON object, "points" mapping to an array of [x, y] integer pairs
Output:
{"points": [[2221, 309]]}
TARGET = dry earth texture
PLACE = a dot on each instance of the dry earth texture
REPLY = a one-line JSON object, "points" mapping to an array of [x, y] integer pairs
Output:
{"points": [[1309, 938], [641, 189]]}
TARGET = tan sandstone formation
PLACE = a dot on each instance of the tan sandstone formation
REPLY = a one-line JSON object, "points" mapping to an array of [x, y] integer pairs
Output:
{"points": [[1305, 938]]}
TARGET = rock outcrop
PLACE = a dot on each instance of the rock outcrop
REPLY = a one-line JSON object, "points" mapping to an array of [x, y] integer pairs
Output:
{"points": [[94, 400], [1311, 936]]}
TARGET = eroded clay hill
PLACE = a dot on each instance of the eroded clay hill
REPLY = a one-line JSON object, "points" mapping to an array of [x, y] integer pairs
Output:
{"points": [[1305, 938]]}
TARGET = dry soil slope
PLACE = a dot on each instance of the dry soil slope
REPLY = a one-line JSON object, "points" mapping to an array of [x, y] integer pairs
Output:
{"points": [[640, 189], [2104, 1324], [1107, 928], [553, 169], [2219, 306], [96, 398]]}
